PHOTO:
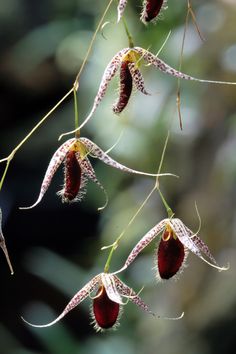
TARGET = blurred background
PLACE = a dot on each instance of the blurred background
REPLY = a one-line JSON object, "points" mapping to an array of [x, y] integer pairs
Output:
{"points": [[56, 248]]}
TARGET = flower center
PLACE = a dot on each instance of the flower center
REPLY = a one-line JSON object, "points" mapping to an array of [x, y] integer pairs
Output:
{"points": [[72, 176], [105, 310], [170, 254]]}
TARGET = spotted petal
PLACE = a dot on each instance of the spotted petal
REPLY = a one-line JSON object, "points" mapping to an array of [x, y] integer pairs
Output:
{"points": [[201, 245], [76, 300], [108, 280], [121, 8], [100, 154], [165, 68], [128, 292], [180, 230], [145, 240], [55, 162], [137, 78], [109, 73], [88, 171]]}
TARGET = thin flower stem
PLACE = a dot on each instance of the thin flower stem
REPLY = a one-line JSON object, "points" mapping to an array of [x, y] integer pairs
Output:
{"points": [[130, 38], [156, 187], [168, 209], [189, 12], [12, 154], [4, 173], [92, 42], [77, 134]]}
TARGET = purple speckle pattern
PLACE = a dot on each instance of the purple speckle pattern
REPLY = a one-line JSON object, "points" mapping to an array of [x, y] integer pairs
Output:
{"points": [[101, 155], [129, 293], [145, 240], [161, 65], [137, 78], [55, 162], [121, 8], [109, 73], [89, 172], [201, 245]]}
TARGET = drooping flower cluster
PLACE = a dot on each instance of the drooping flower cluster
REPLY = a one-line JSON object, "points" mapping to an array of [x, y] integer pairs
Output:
{"points": [[176, 240], [128, 61], [107, 302], [106, 290], [78, 169]]}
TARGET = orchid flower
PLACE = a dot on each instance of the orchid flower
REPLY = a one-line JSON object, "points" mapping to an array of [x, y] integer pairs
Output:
{"points": [[151, 9], [172, 251], [107, 303], [78, 169], [3, 245], [128, 60]]}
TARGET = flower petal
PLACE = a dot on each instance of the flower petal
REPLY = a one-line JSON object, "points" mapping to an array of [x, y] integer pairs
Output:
{"points": [[100, 154], [180, 230], [88, 171], [108, 280], [165, 68], [128, 292], [145, 240], [72, 179], [3, 245], [161, 65], [137, 78], [55, 162], [109, 73], [151, 9], [171, 254], [105, 312], [121, 8], [76, 300], [126, 85], [201, 245]]}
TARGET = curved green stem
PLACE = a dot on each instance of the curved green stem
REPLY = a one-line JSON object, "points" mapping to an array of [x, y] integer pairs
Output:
{"points": [[4, 173], [168, 209], [130, 38]]}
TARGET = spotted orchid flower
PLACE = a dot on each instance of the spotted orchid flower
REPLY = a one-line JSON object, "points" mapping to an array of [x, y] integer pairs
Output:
{"points": [[3, 245], [107, 303], [128, 61], [151, 9], [78, 169], [175, 242]]}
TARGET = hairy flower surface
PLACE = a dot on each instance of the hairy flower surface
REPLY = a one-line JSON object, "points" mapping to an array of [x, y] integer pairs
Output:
{"points": [[173, 247], [74, 153], [128, 60], [151, 9], [106, 304]]}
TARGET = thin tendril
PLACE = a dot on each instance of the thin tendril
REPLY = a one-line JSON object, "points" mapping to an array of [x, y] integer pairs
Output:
{"points": [[12, 154], [92, 41], [75, 88], [178, 101], [194, 20], [130, 38], [77, 134], [156, 186]]}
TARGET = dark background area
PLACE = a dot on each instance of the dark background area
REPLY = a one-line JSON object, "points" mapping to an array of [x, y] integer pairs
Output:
{"points": [[55, 248]]}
